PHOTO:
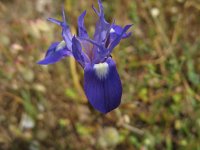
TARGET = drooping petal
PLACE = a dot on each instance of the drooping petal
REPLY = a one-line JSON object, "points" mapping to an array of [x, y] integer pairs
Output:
{"points": [[102, 86], [55, 53]]}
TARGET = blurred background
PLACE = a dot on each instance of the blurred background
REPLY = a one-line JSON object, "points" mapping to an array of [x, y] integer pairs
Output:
{"points": [[44, 107]]}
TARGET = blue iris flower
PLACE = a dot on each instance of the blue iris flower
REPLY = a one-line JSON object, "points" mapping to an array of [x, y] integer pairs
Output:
{"points": [[102, 84]]}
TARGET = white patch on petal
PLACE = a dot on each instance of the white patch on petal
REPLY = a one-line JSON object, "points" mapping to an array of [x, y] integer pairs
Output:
{"points": [[61, 45], [101, 70], [112, 30]]}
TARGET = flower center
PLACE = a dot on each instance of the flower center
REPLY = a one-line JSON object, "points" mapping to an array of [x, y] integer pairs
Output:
{"points": [[101, 70]]}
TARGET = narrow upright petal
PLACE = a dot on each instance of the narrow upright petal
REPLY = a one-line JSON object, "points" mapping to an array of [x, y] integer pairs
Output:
{"points": [[77, 52], [102, 25], [82, 32], [104, 51], [66, 33], [102, 85]]}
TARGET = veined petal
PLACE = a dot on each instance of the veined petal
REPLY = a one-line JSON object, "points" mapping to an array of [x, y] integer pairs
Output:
{"points": [[102, 86], [55, 52], [100, 52]]}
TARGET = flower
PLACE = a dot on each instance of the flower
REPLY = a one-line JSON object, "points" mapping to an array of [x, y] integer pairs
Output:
{"points": [[102, 84]]}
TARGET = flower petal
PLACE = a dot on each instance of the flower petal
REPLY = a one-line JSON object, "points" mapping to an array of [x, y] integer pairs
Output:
{"points": [[51, 59], [102, 25], [67, 36], [51, 48], [102, 28], [77, 52], [55, 21], [102, 86], [117, 30], [116, 41], [81, 28], [55, 52], [66, 33], [100, 52], [82, 33]]}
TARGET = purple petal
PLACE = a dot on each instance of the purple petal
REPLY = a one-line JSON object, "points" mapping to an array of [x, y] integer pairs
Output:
{"points": [[55, 21], [78, 53], [82, 32], [51, 48], [102, 86], [66, 33], [54, 54], [101, 8], [118, 38], [67, 36], [95, 10], [101, 51], [100, 46], [81, 28], [63, 15], [118, 30], [51, 59], [101, 32], [102, 25]]}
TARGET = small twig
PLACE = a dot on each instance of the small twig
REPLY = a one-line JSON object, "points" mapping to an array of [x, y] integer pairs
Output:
{"points": [[133, 129]]}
